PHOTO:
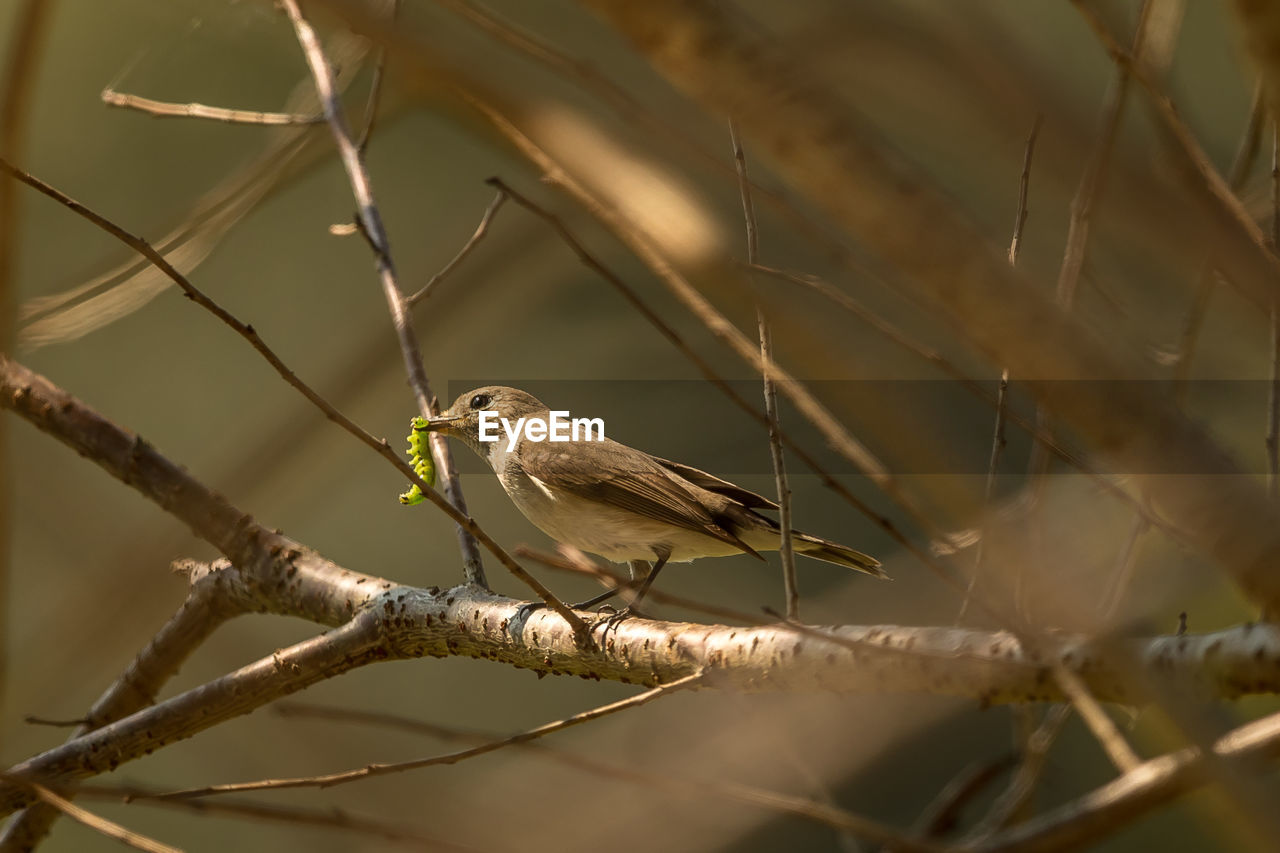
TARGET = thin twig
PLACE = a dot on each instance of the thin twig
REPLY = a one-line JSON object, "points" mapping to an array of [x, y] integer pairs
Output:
{"points": [[373, 770], [329, 818], [1073, 260], [790, 590], [32, 720], [1087, 191], [998, 443], [206, 607], [971, 385], [371, 221], [998, 440], [481, 230], [250, 334], [1035, 754], [99, 824], [1241, 166], [943, 813], [1122, 574], [168, 109], [1196, 158], [375, 89], [823, 813], [1024, 185], [1102, 726]]}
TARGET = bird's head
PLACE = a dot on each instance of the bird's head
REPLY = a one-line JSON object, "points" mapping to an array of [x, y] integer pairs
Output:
{"points": [[462, 419]]}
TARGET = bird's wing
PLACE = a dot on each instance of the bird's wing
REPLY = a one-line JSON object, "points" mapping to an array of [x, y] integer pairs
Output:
{"points": [[712, 483], [627, 479]]}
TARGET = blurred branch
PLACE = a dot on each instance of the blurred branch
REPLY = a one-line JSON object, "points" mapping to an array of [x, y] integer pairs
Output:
{"points": [[820, 812], [99, 824], [1149, 785], [592, 262], [1031, 765], [1241, 165], [1103, 728], [819, 144], [1086, 198], [1258, 284], [1259, 27], [328, 818], [290, 152], [167, 109], [371, 770]]}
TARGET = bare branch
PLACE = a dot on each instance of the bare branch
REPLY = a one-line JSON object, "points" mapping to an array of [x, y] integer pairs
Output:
{"points": [[839, 819], [375, 89], [371, 770], [820, 146], [483, 228], [1024, 186], [166, 109], [329, 818], [1113, 743], [1148, 786], [1256, 280], [213, 598], [99, 824], [371, 221], [790, 591]]}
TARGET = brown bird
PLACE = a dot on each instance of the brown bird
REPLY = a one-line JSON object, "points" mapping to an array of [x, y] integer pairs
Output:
{"points": [[616, 501]]}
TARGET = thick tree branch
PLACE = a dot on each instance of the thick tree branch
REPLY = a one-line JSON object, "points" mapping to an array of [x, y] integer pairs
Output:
{"points": [[213, 598], [380, 620]]}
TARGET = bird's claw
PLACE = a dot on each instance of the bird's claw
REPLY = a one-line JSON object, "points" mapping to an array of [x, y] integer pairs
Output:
{"points": [[615, 617], [524, 611]]}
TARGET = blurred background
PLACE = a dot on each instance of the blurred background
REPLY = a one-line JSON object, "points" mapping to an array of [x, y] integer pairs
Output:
{"points": [[953, 88]]}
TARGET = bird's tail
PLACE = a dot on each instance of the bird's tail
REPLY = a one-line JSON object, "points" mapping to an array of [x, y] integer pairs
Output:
{"points": [[834, 552]]}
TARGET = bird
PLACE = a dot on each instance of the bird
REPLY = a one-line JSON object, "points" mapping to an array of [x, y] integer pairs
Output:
{"points": [[609, 499]]}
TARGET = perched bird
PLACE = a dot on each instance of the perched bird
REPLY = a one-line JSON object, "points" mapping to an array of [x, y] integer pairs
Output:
{"points": [[613, 500]]}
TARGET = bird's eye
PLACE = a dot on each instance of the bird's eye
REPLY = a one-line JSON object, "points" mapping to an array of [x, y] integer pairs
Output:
{"points": [[479, 401]]}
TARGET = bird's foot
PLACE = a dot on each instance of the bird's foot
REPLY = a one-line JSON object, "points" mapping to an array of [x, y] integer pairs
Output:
{"points": [[524, 611], [615, 617]]}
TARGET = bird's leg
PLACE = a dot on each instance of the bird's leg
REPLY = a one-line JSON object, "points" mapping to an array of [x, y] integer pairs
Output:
{"points": [[631, 609], [639, 569]]}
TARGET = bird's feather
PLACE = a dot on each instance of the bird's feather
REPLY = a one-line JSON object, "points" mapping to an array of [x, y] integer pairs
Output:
{"points": [[631, 480]]}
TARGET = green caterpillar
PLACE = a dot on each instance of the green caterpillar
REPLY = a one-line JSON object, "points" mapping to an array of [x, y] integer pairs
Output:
{"points": [[420, 458]]}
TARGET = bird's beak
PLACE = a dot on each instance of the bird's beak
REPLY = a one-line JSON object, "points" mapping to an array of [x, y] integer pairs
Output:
{"points": [[440, 423]]}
